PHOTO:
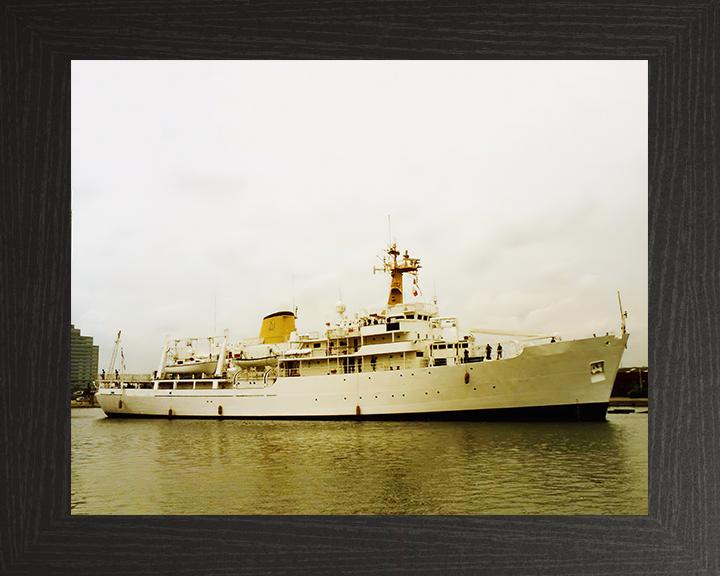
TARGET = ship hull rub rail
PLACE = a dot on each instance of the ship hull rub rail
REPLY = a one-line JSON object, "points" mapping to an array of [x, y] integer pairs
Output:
{"points": [[593, 412]]}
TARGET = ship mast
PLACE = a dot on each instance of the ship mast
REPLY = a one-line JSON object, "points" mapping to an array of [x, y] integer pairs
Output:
{"points": [[114, 354], [623, 315], [397, 269]]}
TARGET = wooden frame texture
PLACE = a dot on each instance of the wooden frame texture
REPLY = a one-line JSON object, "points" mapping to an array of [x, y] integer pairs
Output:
{"points": [[39, 40]]}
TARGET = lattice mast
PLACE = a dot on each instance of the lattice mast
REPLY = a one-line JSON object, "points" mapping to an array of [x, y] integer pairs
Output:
{"points": [[396, 269]]}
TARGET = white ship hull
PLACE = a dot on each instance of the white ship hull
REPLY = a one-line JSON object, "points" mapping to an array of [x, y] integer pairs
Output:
{"points": [[569, 379]]}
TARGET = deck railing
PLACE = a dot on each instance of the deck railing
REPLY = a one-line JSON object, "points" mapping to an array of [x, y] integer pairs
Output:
{"points": [[367, 367], [122, 378]]}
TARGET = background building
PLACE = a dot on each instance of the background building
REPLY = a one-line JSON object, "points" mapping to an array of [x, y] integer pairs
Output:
{"points": [[83, 360]]}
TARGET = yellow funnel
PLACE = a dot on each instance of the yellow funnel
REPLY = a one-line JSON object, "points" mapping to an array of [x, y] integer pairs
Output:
{"points": [[277, 327]]}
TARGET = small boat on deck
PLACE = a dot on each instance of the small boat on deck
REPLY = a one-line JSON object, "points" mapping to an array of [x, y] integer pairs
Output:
{"points": [[193, 367], [182, 357]]}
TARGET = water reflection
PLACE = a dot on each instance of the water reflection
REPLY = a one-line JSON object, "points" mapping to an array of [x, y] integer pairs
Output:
{"points": [[299, 467]]}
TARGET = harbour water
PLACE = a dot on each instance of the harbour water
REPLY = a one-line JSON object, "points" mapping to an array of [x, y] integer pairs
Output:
{"points": [[161, 466]]}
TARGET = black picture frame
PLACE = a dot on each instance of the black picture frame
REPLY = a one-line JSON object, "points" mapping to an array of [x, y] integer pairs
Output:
{"points": [[38, 535]]}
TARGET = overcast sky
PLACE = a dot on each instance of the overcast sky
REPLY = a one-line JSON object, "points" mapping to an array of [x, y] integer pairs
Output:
{"points": [[206, 195]]}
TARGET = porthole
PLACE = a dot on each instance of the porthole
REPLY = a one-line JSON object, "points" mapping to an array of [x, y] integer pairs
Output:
{"points": [[120, 404], [219, 410]]}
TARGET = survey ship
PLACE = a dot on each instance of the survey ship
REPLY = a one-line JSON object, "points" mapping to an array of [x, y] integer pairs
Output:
{"points": [[401, 361]]}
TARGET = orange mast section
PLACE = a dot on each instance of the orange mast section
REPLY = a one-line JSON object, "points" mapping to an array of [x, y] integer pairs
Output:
{"points": [[396, 270]]}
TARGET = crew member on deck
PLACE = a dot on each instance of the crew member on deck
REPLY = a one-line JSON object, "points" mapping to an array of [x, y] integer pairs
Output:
{"points": [[499, 351], [488, 352]]}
